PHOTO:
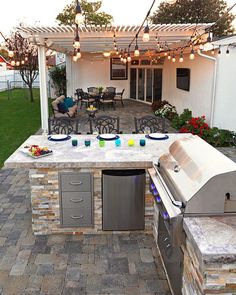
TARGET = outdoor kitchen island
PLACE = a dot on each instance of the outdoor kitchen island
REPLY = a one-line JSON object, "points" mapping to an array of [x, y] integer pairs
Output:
{"points": [[206, 270]]}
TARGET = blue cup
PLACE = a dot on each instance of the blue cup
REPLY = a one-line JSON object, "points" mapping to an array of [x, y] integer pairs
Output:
{"points": [[118, 142], [142, 142]]}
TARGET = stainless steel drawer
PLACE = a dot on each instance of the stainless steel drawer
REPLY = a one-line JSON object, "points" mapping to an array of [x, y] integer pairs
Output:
{"points": [[75, 182], [76, 217], [76, 200]]}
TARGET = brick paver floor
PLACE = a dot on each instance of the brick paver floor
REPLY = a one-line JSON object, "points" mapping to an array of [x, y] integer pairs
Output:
{"points": [[69, 264]]}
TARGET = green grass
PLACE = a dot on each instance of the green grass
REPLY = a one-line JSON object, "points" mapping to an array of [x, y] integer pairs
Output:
{"points": [[19, 118]]}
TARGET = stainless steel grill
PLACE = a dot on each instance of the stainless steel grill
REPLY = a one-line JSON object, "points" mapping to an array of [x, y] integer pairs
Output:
{"points": [[192, 179]]}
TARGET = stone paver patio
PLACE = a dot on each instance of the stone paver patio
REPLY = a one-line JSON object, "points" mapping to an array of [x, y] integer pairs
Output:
{"points": [[69, 264]]}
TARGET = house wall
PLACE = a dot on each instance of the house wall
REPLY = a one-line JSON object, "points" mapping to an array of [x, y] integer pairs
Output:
{"points": [[86, 73], [199, 98], [225, 99]]}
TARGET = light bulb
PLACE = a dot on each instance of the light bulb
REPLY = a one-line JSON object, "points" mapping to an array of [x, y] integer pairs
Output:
{"points": [[17, 63], [191, 56], [181, 59], [10, 53], [146, 34], [78, 16], [117, 52], [13, 63], [136, 52], [26, 58], [227, 51], [146, 37], [124, 60], [165, 54], [213, 52], [106, 53], [169, 56], [74, 58], [78, 54], [121, 58], [129, 58], [22, 62], [76, 45], [173, 59]]}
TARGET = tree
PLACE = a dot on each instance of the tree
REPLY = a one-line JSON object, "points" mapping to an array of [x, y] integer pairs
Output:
{"points": [[58, 76], [89, 12], [24, 59], [196, 11]]}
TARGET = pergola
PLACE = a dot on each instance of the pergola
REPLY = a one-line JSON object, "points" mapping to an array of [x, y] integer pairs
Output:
{"points": [[95, 40]]}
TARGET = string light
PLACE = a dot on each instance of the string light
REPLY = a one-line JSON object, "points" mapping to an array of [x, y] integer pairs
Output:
{"points": [[227, 50], [169, 56], [219, 51], [78, 14], [192, 55], [173, 58], [136, 50], [181, 59], [146, 36]]}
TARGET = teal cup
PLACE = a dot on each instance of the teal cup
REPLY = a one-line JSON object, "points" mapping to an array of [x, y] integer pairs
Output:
{"points": [[74, 142], [142, 142], [87, 142]]}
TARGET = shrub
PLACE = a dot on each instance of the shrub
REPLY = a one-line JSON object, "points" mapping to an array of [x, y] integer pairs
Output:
{"points": [[196, 126], [180, 120], [220, 137], [158, 104], [58, 76], [167, 111]]}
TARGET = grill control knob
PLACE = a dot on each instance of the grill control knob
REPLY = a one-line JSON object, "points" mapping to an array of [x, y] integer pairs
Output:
{"points": [[155, 193], [152, 186], [158, 199], [176, 168], [165, 215]]}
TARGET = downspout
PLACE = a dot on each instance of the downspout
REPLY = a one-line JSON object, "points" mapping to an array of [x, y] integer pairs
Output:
{"points": [[213, 86]]}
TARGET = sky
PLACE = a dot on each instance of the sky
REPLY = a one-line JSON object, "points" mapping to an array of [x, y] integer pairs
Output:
{"points": [[44, 12]]}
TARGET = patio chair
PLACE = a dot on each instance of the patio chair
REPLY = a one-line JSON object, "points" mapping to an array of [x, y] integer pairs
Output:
{"points": [[119, 97], [107, 99], [111, 89], [105, 124], [84, 98], [62, 126], [149, 124]]}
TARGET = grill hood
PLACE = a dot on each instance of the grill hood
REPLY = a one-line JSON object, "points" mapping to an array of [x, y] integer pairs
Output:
{"points": [[199, 176]]}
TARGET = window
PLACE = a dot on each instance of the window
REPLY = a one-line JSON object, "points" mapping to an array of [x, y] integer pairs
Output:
{"points": [[118, 70], [183, 78]]}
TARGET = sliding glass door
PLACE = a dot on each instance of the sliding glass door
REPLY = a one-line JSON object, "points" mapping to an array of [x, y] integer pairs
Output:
{"points": [[146, 84]]}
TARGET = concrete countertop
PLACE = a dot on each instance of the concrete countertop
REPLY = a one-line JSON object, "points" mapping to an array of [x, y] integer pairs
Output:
{"points": [[66, 156], [214, 238]]}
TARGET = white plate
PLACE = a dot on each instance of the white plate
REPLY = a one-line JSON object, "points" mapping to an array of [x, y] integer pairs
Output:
{"points": [[107, 136], [58, 136], [157, 135], [28, 153]]}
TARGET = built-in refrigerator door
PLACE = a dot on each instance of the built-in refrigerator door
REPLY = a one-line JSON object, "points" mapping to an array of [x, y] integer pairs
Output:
{"points": [[123, 194]]}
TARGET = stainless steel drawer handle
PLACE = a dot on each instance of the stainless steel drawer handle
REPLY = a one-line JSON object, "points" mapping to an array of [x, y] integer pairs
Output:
{"points": [[77, 217], [76, 201], [76, 183]]}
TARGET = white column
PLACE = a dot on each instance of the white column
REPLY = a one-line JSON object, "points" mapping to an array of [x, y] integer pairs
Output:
{"points": [[69, 76], [43, 87]]}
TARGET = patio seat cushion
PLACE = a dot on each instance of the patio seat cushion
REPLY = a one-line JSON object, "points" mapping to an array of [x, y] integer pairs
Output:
{"points": [[69, 102], [71, 111], [62, 107]]}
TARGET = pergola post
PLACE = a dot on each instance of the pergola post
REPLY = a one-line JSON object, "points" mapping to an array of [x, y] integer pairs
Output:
{"points": [[69, 76], [43, 87]]}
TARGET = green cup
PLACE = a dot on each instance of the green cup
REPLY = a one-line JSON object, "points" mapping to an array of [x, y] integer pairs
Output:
{"points": [[101, 143]]}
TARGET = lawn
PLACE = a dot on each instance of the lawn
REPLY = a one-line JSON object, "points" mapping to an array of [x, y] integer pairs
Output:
{"points": [[19, 118]]}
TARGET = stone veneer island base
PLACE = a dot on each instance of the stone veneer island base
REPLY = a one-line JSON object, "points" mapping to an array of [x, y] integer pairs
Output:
{"points": [[210, 247]]}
